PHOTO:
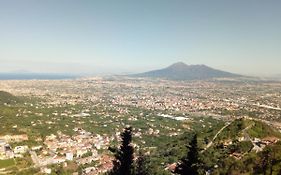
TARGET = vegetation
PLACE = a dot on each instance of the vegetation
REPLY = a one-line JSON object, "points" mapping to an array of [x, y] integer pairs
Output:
{"points": [[142, 165], [255, 129], [7, 98], [191, 163], [7, 163], [123, 163], [229, 153], [269, 160]]}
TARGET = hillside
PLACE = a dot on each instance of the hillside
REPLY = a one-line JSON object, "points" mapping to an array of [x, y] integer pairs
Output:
{"points": [[240, 148], [182, 71], [248, 129], [7, 98]]}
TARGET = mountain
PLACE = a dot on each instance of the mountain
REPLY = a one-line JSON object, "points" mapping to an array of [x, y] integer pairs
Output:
{"points": [[182, 71]]}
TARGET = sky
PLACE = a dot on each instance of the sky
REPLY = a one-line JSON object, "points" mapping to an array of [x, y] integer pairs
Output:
{"points": [[129, 36]]}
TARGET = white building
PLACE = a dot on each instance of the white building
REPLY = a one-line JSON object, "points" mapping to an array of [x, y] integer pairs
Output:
{"points": [[20, 149], [69, 156]]}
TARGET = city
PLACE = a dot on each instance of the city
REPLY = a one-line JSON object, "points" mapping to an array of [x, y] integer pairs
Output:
{"points": [[73, 122], [150, 87]]}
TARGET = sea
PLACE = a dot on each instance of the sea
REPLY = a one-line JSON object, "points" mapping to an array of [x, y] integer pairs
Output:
{"points": [[35, 76]]}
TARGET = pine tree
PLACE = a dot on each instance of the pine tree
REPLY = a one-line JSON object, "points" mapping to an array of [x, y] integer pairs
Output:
{"points": [[123, 163], [189, 165]]}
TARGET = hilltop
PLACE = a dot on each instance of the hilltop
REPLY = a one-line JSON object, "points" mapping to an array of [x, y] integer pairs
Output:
{"points": [[182, 71], [244, 129]]}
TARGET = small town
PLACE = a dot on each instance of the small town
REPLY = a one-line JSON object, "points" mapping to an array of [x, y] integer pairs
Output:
{"points": [[82, 148]]}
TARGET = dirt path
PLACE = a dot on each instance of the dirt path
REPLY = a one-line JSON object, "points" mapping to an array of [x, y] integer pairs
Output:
{"points": [[214, 138]]}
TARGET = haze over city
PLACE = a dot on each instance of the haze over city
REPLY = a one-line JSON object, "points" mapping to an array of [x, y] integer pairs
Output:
{"points": [[125, 36]]}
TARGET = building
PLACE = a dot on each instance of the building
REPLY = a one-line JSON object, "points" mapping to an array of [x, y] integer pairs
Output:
{"points": [[69, 156], [20, 149]]}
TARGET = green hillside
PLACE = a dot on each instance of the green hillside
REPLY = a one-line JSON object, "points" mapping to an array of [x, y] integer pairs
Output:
{"points": [[229, 153], [252, 128], [7, 98], [262, 130]]}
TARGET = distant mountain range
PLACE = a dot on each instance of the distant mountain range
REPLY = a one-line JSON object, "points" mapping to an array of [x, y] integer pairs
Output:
{"points": [[182, 71]]}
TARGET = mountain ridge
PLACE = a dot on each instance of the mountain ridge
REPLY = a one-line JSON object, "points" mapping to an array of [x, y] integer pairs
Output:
{"points": [[182, 71]]}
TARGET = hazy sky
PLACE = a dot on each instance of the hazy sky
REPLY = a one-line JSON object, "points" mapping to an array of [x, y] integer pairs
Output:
{"points": [[115, 36]]}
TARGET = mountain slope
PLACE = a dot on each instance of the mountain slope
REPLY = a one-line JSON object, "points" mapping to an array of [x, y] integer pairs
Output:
{"points": [[7, 98], [253, 128], [181, 71]]}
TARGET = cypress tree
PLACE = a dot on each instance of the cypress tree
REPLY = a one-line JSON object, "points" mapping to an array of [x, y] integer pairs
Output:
{"points": [[189, 165], [123, 163]]}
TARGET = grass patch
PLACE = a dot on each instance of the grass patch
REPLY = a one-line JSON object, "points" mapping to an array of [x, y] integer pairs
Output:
{"points": [[7, 163]]}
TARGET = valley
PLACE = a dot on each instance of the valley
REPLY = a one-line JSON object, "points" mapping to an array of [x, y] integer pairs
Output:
{"points": [[68, 126]]}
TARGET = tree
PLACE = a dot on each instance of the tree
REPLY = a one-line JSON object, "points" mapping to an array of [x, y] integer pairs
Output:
{"points": [[190, 164], [123, 163]]}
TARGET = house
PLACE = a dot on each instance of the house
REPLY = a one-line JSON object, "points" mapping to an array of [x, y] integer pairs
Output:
{"points": [[171, 167], [89, 169], [86, 160], [36, 148], [81, 152], [270, 140], [242, 138], [69, 156], [57, 160], [236, 155], [10, 154], [256, 148], [46, 170], [20, 149]]}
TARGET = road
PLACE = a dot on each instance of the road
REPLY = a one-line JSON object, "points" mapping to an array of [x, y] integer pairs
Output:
{"points": [[214, 138]]}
